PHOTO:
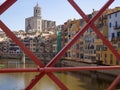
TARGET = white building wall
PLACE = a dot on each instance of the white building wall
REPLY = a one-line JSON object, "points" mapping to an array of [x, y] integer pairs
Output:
{"points": [[113, 18]]}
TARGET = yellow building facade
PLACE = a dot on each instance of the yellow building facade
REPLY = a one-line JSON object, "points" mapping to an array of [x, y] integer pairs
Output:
{"points": [[103, 53], [71, 27]]}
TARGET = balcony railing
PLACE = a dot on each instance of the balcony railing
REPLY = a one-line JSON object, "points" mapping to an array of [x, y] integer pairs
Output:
{"points": [[118, 38], [113, 39], [117, 27]]}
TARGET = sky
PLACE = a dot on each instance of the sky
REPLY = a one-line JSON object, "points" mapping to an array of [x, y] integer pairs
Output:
{"points": [[56, 10]]}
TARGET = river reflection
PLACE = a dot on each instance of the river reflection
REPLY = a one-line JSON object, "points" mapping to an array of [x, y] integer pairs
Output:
{"points": [[73, 80], [20, 80]]}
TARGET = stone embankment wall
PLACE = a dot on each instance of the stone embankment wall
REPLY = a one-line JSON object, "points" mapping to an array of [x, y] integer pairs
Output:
{"points": [[77, 63]]}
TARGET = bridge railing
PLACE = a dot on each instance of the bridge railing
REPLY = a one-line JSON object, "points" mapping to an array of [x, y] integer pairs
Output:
{"points": [[49, 69]]}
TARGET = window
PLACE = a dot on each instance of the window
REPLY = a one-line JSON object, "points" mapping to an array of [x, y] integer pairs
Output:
{"points": [[98, 56], [117, 62], [38, 22], [113, 35], [36, 11], [115, 14], [81, 56], [68, 54], [77, 55], [105, 23], [77, 46], [110, 25], [110, 16], [116, 24], [104, 48], [118, 34], [118, 45], [105, 55], [105, 61], [111, 59]]}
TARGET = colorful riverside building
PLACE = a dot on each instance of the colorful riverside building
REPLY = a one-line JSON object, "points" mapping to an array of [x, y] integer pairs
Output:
{"points": [[102, 53], [71, 27], [101, 49], [90, 48], [113, 36]]}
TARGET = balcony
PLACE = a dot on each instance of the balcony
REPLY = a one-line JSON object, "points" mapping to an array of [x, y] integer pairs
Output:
{"points": [[113, 39], [118, 38], [117, 27]]}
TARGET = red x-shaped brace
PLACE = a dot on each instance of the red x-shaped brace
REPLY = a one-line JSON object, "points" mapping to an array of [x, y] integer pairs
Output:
{"points": [[46, 69], [105, 41], [4, 7]]}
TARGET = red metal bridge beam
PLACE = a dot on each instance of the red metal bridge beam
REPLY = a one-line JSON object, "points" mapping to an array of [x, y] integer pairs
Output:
{"points": [[59, 69], [105, 41], [31, 55], [77, 36], [6, 5], [115, 82], [43, 74], [64, 69], [51, 75], [19, 43], [55, 59]]}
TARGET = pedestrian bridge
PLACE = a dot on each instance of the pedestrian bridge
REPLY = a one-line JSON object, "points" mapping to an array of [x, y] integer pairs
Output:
{"points": [[49, 69]]}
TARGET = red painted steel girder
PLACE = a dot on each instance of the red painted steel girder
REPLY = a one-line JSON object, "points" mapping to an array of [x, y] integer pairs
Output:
{"points": [[54, 78], [51, 75], [55, 59], [19, 43], [59, 69], [115, 82], [63, 69], [47, 69], [6, 5], [106, 42], [77, 36], [31, 55]]}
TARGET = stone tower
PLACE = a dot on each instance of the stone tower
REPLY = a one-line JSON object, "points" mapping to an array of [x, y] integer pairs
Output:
{"points": [[34, 23], [37, 11]]}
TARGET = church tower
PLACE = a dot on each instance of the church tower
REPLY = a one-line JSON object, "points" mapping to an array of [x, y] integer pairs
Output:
{"points": [[37, 11], [34, 23]]}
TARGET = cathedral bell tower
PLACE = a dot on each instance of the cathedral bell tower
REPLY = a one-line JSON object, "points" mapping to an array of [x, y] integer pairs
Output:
{"points": [[34, 23], [37, 11]]}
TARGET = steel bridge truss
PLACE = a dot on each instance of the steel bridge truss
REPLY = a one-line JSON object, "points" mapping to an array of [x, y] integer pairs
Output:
{"points": [[49, 69]]}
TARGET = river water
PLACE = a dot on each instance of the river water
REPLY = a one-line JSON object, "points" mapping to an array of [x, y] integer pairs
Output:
{"points": [[73, 80]]}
